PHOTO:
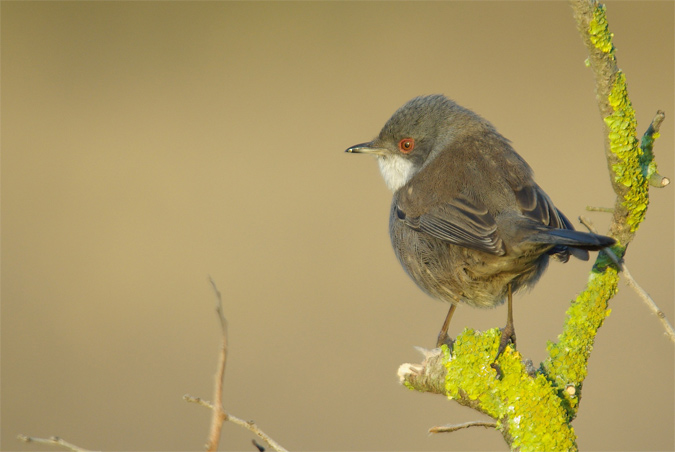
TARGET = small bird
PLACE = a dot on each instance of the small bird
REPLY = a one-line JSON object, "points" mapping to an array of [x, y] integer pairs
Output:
{"points": [[467, 221]]}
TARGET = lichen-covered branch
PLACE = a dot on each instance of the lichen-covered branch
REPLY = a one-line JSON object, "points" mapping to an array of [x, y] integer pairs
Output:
{"points": [[534, 409], [526, 405], [566, 365], [630, 166]]}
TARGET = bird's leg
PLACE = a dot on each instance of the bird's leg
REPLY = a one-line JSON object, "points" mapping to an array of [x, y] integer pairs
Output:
{"points": [[508, 332], [443, 337]]}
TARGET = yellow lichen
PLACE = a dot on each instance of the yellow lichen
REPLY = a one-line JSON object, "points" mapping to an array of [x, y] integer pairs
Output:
{"points": [[528, 407], [625, 146], [598, 30]]}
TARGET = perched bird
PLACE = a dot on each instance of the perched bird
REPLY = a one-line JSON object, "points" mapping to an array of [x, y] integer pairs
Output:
{"points": [[467, 221]]}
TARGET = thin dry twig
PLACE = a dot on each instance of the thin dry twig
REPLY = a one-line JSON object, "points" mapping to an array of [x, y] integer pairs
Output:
{"points": [[249, 425], [198, 401], [219, 415], [670, 332], [454, 427], [600, 209], [52, 441]]}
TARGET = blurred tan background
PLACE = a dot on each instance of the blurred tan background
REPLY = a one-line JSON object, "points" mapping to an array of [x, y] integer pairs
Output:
{"points": [[147, 145]]}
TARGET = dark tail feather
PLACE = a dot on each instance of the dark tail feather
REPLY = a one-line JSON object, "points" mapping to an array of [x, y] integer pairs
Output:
{"points": [[569, 241], [576, 239]]}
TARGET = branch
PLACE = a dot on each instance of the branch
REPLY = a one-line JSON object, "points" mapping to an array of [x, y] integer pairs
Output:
{"points": [[647, 145], [219, 416], [218, 413], [630, 166], [249, 425], [526, 408], [630, 161], [649, 301], [621, 143], [53, 441], [455, 427], [600, 209]]}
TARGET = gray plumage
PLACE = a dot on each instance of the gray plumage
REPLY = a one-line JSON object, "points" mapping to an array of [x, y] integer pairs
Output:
{"points": [[467, 218]]}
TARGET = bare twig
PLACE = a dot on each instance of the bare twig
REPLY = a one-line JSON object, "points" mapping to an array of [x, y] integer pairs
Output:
{"points": [[52, 441], [670, 332], [219, 414], [219, 306], [198, 401], [249, 425], [454, 427], [600, 209], [590, 226]]}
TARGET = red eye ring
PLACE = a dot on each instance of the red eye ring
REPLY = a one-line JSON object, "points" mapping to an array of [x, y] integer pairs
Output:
{"points": [[406, 145]]}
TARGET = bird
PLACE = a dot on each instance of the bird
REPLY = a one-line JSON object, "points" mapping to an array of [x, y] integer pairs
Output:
{"points": [[468, 223]]}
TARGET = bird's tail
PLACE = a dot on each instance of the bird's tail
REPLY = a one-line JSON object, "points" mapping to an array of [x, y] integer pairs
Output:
{"points": [[569, 241], [570, 237]]}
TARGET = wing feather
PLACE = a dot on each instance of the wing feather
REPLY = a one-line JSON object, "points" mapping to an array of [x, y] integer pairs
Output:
{"points": [[461, 222]]}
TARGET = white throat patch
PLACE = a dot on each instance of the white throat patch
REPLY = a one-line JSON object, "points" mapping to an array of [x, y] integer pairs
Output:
{"points": [[396, 171]]}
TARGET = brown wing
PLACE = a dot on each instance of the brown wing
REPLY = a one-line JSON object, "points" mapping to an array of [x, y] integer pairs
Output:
{"points": [[461, 222]]}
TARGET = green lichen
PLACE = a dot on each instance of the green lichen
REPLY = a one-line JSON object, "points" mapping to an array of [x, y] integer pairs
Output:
{"points": [[603, 260], [527, 407], [647, 160], [598, 30]]}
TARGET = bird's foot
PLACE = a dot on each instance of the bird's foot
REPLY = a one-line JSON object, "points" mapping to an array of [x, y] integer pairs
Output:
{"points": [[508, 335], [445, 339]]}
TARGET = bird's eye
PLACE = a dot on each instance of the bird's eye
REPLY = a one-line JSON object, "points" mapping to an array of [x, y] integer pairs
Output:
{"points": [[406, 145]]}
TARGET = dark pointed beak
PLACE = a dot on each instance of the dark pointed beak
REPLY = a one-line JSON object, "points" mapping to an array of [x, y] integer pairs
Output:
{"points": [[366, 148]]}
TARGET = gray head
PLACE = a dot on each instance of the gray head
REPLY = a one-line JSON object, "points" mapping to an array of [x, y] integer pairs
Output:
{"points": [[415, 134]]}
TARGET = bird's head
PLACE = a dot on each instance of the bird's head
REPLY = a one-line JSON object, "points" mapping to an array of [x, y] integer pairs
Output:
{"points": [[413, 136]]}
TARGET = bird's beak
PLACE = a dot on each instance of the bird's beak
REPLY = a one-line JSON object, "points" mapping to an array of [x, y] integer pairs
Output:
{"points": [[366, 148]]}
